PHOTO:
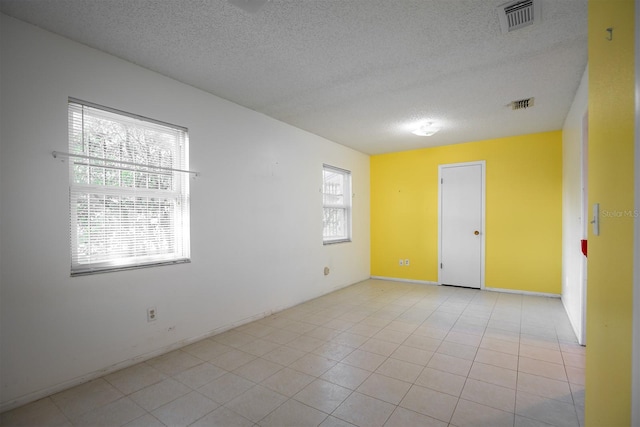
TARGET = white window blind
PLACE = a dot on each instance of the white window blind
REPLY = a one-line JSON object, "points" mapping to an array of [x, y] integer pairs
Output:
{"points": [[129, 205], [336, 202]]}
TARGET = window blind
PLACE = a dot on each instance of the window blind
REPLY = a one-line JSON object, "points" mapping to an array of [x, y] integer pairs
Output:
{"points": [[127, 209]]}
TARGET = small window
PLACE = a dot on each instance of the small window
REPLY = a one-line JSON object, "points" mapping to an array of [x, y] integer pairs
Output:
{"points": [[129, 193], [336, 202]]}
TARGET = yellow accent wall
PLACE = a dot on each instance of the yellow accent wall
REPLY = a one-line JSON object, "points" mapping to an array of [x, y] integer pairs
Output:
{"points": [[610, 264], [523, 211]]}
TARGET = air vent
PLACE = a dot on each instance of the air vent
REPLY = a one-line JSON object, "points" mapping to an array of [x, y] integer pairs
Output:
{"points": [[518, 14], [522, 104]]}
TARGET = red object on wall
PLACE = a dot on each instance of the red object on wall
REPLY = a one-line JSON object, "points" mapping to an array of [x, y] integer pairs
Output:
{"points": [[583, 243]]}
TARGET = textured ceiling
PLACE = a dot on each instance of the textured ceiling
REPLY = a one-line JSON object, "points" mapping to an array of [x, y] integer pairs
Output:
{"points": [[357, 72]]}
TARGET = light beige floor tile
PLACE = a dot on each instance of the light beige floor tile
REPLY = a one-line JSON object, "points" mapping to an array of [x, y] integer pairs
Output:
{"points": [[147, 420], [572, 348], [259, 347], [288, 382], [453, 365], [199, 375], [284, 355], [503, 335], [462, 338], [333, 351], [232, 360], [494, 375], [384, 388], [546, 410], [528, 422], [542, 368], [258, 370], [495, 358], [349, 339], [335, 422], [364, 411], [42, 413], [501, 346], [399, 369], [575, 375], [422, 342], [299, 327], [115, 413], [223, 417], [435, 332], [339, 324], [323, 395], [233, 338], [86, 397], [574, 360], [400, 326], [322, 333], [430, 402], [402, 417], [185, 410], [541, 353], [412, 355], [346, 375], [364, 360], [383, 348], [174, 362], [313, 364], [293, 414], [158, 394], [537, 341], [256, 329], [472, 414], [462, 351], [364, 329], [207, 349], [489, 395], [390, 335], [545, 387], [441, 381], [577, 391], [281, 336], [226, 388], [135, 378], [256, 403], [305, 343]]}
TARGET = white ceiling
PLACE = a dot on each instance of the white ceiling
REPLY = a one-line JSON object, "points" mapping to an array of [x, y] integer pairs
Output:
{"points": [[357, 72]]}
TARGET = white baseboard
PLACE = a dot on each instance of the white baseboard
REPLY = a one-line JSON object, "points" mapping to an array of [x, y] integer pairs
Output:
{"points": [[395, 279], [514, 291]]}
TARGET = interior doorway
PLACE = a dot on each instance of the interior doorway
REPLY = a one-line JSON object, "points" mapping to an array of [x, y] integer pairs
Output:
{"points": [[461, 224]]}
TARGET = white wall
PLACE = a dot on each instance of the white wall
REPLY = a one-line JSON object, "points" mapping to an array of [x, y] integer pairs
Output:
{"points": [[573, 221], [256, 220]]}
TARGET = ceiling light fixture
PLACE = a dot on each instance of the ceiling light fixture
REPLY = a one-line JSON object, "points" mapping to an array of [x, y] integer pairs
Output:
{"points": [[426, 129]]}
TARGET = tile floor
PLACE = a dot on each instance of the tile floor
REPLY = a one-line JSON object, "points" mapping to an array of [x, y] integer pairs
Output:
{"points": [[377, 353]]}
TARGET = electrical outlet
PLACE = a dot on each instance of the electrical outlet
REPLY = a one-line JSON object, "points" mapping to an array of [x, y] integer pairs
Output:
{"points": [[152, 314], [401, 262], [406, 262]]}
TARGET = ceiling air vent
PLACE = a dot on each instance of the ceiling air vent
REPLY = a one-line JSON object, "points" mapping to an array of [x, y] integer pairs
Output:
{"points": [[522, 104], [518, 14]]}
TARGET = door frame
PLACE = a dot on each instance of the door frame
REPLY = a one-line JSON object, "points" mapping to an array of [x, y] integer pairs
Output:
{"points": [[483, 165]]}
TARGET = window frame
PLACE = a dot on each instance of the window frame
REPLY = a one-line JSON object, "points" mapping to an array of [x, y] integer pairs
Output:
{"points": [[346, 205], [173, 201]]}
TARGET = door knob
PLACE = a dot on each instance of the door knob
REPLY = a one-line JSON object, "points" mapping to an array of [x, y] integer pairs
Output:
{"points": [[476, 232]]}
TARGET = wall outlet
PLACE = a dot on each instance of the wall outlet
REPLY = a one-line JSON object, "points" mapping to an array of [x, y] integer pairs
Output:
{"points": [[406, 262], [152, 314], [401, 263]]}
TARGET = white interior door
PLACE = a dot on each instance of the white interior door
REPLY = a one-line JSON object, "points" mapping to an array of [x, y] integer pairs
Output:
{"points": [[461, 219]]}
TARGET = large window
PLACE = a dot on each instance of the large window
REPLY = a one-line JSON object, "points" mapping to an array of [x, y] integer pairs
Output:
{"points": [[129, 194], [336, 196]]}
